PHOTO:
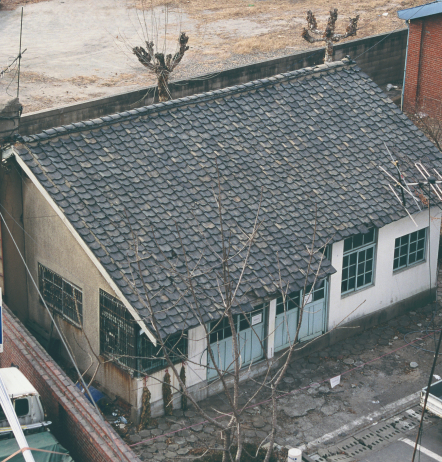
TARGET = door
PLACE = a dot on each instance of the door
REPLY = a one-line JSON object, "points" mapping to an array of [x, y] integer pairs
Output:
{"points": [[314, 315], [251, 335], [286, 321], [250, 329]]}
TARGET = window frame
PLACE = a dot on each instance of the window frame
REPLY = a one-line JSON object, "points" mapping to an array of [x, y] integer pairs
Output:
{"points": [[243, 321], [416, 262], [64, 295], [356, 245]]}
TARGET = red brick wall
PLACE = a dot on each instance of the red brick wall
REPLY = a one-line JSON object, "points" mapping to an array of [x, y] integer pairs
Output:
{"points": [[423, 79], [75, 422]]}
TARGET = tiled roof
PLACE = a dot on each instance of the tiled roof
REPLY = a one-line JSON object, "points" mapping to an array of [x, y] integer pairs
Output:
{"points": [[307, 139]]}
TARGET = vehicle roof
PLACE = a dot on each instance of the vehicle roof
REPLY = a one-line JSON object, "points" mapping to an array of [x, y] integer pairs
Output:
{"points": [[16, 383]]}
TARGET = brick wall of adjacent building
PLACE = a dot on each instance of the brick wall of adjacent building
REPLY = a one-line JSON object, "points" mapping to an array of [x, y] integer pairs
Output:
{"points": [[423, 79], [75, 422]]}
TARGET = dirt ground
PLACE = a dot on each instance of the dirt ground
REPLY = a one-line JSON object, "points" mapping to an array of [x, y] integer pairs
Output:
{"points": [[79, 49]]}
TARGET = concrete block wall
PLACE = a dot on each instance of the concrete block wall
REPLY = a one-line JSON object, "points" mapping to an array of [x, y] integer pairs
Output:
{"points": [[75, 423], [381, 56], [423, 79]]}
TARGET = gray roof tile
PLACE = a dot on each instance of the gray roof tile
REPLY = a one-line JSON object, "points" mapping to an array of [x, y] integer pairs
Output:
{"points": [[304, 138]]}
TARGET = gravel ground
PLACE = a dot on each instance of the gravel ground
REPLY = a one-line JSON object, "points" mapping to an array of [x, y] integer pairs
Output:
{"points": [[312, 408], [79, 49]]}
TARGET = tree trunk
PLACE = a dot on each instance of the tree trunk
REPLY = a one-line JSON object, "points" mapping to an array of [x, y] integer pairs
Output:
{"points": [[163, 86], [328, 51], [227, 443]]}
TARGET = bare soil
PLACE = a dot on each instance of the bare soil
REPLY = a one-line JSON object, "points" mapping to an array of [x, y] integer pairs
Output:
{"points": [[80, 49]]}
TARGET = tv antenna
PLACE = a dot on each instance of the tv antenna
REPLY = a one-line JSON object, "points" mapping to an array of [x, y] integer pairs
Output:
{"points": [[405, 187]]}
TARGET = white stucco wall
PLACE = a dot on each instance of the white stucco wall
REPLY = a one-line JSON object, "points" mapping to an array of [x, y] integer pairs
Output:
{"points": [[195, 372], [388, 287]]}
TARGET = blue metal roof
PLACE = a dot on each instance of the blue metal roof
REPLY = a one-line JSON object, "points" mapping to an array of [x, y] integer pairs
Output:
{"points": [[421, 11]]}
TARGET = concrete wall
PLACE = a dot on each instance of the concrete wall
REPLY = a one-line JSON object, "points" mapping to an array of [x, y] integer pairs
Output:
{"points": [[15, 278], [389, 287], [381, 56], [75, 423]]}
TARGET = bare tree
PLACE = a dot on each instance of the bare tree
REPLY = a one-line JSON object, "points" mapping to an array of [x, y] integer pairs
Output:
{"points": [[162, 65], [232, 276], [432, 127], [328, 35]]}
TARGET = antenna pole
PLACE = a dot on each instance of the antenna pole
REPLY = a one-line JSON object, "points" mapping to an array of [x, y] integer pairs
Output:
{"points": [[19, 54], [396, 163]]}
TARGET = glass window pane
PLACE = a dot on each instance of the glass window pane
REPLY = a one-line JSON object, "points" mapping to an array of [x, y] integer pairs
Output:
{"points": [[360, 280], [396, 263], [412, 258], [348, 244], [419, 255], [368, 277], [413, 246], [369, 237], [357, 240], [344, 286], [403, 260], [421, 233], [351, 283], [370, 253]]}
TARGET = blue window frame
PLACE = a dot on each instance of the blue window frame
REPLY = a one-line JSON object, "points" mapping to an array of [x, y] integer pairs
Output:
{"points": [[409, 249], [358, 262]]}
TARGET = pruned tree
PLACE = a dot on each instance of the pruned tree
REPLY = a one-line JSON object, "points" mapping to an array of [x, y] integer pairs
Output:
{"points": [[329, 36], [160, 64]]}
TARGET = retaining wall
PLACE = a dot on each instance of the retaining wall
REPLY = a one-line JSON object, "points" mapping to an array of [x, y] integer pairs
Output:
{"points": [[75, 422], [381, 56]]}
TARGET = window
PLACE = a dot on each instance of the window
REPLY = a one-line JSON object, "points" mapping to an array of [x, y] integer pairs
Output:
{"points": [[118, 331], [292, 301], [409, 249], [152, 357], [358, 261], [61, 295], [220, 329]]}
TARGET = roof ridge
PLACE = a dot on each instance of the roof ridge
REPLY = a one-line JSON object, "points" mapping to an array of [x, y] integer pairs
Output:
{"points": [[90, 124]]}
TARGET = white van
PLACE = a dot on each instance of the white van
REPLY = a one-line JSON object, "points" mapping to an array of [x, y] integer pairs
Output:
{"points": [[26, 401]]}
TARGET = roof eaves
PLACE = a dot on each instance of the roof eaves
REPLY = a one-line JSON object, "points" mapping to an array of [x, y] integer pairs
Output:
{"points": [[429, 9]]}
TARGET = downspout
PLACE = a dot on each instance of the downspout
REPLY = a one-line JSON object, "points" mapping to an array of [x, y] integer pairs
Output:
{"points": [[405, 68]]}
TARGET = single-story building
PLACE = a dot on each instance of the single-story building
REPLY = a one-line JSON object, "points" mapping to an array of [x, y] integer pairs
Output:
{"points": [[111, 213]]}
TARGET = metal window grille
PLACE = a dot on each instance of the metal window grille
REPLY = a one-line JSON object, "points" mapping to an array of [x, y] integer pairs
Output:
{"points": [[152, 357], [61, 295], [118, 331], [409, 249], [358, 262]]}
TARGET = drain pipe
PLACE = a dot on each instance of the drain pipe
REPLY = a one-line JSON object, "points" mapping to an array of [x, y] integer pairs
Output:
{"points": [[405, 68]]}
